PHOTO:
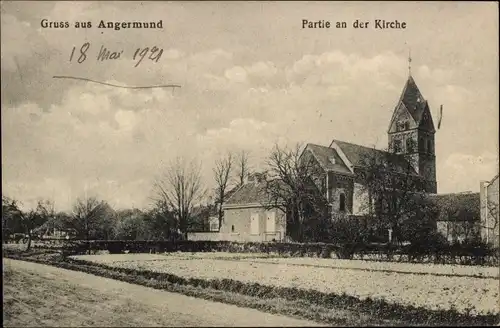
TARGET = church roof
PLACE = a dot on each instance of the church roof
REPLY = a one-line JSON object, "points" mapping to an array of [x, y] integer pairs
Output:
{"points": [[357, 155], [413, 100], [324, 154]]}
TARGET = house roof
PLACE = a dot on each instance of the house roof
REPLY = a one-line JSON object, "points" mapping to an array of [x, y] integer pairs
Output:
{"points": [[324, 154], [494, 178], [457, 206], [357, 155], [249, 193]]}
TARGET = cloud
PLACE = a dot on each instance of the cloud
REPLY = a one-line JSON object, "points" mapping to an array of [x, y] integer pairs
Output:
{"points": [[21, 40], [236, 74], [477, 168], [233, 96]]}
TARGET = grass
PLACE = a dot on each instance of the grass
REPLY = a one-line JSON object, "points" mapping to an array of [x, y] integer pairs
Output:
{"points": [[281, 301]]}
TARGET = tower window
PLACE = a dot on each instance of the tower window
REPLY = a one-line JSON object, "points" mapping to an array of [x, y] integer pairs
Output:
{"points": [[422, 144], [401, 125], [429, 146], [232, 228], [409, 145], [342, 203], [397, 146]]}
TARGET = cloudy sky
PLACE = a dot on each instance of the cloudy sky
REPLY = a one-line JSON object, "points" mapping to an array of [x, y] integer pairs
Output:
{"points": [[250, 77]]}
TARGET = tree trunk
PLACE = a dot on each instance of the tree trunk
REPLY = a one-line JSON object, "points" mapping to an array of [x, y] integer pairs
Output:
{"points": [[28, 247]]}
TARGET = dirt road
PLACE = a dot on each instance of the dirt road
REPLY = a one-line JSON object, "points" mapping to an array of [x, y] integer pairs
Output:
{"points": [[40, 295]]}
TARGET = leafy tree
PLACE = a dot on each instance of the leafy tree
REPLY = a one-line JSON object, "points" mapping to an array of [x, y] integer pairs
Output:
{"points": [[395, 193], [131, 225], [161, 222], [25, 221]]}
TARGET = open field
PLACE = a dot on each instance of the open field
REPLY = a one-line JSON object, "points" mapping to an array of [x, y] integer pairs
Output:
{"points": [[40, 295], [470, 295]]}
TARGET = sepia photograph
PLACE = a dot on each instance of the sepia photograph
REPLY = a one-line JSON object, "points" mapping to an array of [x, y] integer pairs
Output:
{"points": [[250, 163]]}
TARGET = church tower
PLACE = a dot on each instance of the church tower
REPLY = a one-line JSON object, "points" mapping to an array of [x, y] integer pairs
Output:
{"points": [[411, 133]]}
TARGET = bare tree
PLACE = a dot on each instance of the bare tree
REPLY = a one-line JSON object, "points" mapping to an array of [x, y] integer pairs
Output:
{"points": [[243, 168], [222, 173], [92, 218], [291, 187], [181, 189]]}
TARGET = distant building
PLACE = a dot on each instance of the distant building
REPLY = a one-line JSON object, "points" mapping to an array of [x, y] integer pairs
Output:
{"points": [[411, 150], [490, 226], [458, 216], [247, 216]]}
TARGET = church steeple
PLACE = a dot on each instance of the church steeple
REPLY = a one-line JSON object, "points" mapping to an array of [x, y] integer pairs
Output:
{"points": [[409, 62], [411, 131]]}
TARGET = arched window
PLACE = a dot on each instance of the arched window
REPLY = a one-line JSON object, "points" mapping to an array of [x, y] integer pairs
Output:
{"points": [[397, 146], [429, 146], [342, 203], [409, 145], [232, 228], [422, 144]]}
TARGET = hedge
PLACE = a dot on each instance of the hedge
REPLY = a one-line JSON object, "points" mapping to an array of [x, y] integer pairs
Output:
{"points": [[443, 254]]}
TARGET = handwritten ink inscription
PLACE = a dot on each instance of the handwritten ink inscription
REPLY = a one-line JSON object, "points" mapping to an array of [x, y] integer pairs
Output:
{"points": [[80, 54]]}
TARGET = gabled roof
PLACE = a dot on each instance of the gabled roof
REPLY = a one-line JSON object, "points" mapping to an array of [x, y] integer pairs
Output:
{"points": [[249, 193], [357, 155], [324, 155], [457, 206], [413, 99]]}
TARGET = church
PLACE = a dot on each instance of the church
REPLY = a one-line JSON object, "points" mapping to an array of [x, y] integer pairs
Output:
{"points": [[410, 149]]}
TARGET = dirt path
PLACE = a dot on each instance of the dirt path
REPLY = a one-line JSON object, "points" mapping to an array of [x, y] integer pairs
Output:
{"points": [[40, 295]]}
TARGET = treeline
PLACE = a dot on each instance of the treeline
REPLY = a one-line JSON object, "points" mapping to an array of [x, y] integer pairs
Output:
{"points": [[94, 219]]}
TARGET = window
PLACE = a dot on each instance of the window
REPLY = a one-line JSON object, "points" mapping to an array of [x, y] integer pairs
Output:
{"points": [[271, 222], [402, 125], [214, 226], [254, 224], [232, 228], [342, 203], [429, 146], [332, 160], [409, 145], [397, 146], [422, 144]]}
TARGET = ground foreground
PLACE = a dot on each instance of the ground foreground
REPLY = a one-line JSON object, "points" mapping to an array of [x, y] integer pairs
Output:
{"points": [[41, 295], [469, 290]]}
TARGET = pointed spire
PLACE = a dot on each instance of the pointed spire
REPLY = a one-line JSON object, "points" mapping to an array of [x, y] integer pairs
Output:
{"points": [[409, 62]]}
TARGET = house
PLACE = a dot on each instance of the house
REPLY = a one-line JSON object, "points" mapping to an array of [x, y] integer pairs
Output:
{"points": [[458, 216], [490, 226], [248, 216], [410, 151]]}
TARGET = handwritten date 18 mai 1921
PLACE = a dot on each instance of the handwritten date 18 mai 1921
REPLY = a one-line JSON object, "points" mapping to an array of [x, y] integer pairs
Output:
{"points": [[81, 54]]}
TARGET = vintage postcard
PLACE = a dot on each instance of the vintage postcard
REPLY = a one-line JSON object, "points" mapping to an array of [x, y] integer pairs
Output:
{"points": [[250, 163]]}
